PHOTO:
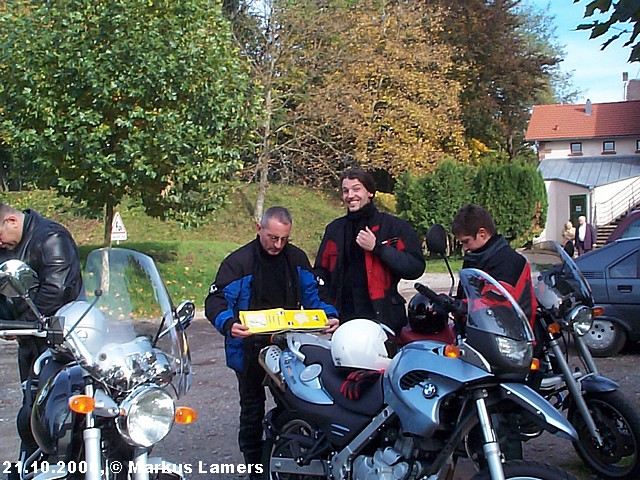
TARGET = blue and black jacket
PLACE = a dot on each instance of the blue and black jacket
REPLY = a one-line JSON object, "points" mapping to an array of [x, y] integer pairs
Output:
{"points": [[234, 289]]}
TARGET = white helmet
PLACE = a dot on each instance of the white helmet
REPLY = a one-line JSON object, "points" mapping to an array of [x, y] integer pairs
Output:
{"points": [[92, 329], [360, 343]]}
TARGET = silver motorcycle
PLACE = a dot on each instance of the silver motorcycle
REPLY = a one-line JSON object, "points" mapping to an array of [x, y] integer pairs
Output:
{"points": [[430, 406], [105, 390]]}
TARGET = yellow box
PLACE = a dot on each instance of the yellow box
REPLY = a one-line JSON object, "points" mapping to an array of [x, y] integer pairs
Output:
{"points": [[278, 320]]}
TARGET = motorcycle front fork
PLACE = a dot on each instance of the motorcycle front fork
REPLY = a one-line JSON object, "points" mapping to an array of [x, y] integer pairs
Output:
{"points": [[490, 445], [574, 386]]}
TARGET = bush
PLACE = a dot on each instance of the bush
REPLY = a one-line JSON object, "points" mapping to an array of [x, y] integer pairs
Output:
{"points": [[514, 193]]}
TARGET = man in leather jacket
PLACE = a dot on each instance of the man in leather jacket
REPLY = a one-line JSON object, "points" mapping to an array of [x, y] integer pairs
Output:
{"points": [[48, 248], [486, 250], [364, 254]]}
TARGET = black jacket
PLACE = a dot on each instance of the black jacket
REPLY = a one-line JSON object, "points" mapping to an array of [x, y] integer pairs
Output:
{"points": [[397, 255], [234, 290], [509, 268], [48, 248]]}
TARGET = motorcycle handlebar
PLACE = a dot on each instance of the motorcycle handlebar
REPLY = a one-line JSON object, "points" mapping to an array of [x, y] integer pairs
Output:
{"points": [[443, 301], [16, 325]]}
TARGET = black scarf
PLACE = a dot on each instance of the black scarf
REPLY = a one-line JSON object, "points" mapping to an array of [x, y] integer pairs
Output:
{"points": [[480, 257]]}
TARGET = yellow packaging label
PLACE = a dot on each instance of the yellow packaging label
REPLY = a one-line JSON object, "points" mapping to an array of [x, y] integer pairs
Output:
{"points": [[278, 320]]}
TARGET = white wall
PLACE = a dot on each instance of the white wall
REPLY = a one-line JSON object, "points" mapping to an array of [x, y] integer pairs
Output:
{"points": [[558, 210], [628, 195], [590, 148]]}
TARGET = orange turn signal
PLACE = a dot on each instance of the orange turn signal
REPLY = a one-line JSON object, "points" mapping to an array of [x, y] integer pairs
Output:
{"points": [[535, 364], [553, 327], [451, 351], [597, 311], [82, 404], [185, 415]]}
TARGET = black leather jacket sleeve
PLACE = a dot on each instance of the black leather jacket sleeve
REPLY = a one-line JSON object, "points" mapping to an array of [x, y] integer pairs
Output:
{"points": [[59, 275]]}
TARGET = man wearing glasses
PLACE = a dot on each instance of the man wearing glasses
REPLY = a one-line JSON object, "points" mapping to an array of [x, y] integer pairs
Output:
{"points": [[268, 272]]}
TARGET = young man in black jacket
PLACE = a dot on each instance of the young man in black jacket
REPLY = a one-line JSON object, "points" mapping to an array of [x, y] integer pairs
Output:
{"points": [[48, 248], [486, 250], [268, 272], [364, 254]]}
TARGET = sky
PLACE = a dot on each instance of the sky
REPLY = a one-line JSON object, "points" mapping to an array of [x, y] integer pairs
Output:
{"points": [[598, 74]]}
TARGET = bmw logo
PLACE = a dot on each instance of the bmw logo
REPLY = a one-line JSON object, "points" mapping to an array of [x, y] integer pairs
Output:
{"points": [[429, 390]]}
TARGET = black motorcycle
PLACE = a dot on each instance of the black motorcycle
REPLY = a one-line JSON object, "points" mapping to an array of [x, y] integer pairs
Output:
{"points": [[105, 390], [607, 422]]}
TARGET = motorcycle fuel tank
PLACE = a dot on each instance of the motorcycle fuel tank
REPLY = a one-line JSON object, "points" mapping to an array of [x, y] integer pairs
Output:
{"points": [[51, 417]]}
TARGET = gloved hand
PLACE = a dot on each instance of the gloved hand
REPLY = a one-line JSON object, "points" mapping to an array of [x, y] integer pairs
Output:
{"points": [[358, 382]]}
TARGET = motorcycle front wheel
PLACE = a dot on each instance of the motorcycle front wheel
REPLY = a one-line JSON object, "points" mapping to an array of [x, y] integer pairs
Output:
{"points": [[293, 441], [618, 422], [527, 470]]}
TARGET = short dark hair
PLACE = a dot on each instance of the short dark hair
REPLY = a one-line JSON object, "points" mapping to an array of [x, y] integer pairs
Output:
{"points": [[281, 214], [470, 219], [365, 179], [6, 210]]}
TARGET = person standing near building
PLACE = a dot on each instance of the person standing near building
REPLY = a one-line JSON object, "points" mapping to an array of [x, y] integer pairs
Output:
{"points": [[585, 238], [268, 272], [568, 233], [49, 249], [364, 254]]}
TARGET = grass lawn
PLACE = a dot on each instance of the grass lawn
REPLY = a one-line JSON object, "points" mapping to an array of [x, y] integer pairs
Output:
{"points": [[188, 259]]}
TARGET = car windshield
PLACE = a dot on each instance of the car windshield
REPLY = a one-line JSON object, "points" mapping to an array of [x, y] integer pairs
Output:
{"points": [[557, 282]]}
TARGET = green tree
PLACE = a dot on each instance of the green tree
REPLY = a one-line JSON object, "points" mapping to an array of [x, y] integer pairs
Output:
{"points": [[127, 97], [501, 69], [624, 18], [514, 193]]}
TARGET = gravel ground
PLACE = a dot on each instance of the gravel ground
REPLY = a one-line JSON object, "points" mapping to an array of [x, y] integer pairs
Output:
{"points": [[212, 439]]}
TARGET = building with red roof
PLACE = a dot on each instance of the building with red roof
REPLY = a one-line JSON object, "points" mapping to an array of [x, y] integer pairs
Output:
{"points": [[589, 157]]}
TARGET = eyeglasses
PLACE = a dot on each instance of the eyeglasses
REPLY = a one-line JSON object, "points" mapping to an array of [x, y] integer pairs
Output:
{"points": [[275, 238]]}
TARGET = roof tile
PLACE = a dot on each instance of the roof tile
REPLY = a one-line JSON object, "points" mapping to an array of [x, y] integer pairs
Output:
{"points": [[557, 122]]}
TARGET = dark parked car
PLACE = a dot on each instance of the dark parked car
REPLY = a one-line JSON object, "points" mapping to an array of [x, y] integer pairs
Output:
{"points": [[613, 272], [627, 228]]}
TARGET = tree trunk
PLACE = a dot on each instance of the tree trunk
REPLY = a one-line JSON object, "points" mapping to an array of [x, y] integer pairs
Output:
{"points": [[263, 159], [108, 220]]}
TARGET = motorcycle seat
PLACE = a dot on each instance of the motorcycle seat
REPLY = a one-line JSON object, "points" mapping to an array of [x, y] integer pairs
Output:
{"points": [[371, 401], [407, 335]]}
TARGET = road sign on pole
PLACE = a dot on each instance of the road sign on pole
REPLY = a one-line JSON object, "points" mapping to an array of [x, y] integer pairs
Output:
{"points": [[118, 230]]}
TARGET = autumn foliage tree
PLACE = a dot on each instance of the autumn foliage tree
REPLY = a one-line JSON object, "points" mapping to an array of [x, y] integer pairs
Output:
{"points": [[385, 98]]}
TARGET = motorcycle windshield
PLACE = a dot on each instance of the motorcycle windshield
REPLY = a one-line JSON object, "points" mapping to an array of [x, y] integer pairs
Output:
{"points": [[491, 308], [138, 338], [557, 282]]}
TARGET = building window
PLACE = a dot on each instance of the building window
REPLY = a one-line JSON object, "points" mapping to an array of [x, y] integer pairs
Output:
{"points": [[609, 147], [637, 146], [576, 148]]}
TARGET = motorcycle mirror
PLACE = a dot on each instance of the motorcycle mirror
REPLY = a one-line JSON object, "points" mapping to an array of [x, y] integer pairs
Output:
{"points": [[186, 313], [16, 279], [437, 239]]}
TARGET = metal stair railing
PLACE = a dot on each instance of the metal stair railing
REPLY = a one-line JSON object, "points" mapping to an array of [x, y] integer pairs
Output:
{"points": [[617, 205]]}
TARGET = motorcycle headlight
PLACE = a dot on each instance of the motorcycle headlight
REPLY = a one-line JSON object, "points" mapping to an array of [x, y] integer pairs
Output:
{"points": [[580, 319], [146, 417], [518, 352]]}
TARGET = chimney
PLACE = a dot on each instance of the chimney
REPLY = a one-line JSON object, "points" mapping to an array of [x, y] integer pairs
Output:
{"points": [[633, 89], [587, 108]]}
